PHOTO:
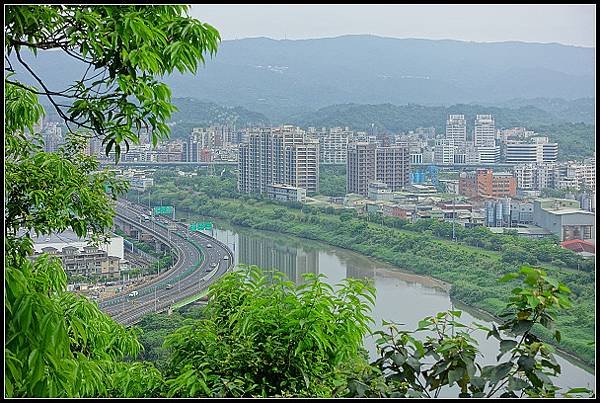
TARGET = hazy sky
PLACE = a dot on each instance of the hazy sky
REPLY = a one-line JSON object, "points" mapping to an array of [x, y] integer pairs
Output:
{"points": [[566, 24]]}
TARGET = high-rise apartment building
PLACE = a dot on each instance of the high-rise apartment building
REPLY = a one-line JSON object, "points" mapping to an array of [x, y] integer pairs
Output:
{"points": [[52, 136], [484, 134], [360, 167], [334, 145], [444, 151], [456, 130], [525, 176], [545, 176], [368, 163], [575, 176], [191, 149], [302, 165], [278, 156], [94, 146], [393, 166]]}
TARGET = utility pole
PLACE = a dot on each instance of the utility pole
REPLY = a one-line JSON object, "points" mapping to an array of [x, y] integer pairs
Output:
{"points": [[453, 216]]}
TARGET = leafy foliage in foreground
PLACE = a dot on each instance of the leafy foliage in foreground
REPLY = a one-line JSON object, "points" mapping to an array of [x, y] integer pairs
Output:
{"points": [[410, 367], [57, 344], [265, 336], [260, 335]]}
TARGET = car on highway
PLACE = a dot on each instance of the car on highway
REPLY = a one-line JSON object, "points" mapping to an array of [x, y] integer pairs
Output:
{"points": [[225, 257], [210, 268], [208, 245], [169, 286]]}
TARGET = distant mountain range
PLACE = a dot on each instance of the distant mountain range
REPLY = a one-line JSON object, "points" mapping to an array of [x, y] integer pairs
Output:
{"points": [[285, 78], [281, 77]]}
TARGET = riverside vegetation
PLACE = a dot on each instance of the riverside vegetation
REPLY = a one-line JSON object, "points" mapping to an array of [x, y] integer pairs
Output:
{"points": [[471, 264]]}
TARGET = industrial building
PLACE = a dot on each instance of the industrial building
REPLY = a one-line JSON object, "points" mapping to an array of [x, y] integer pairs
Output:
{"points": [[564, 218]]}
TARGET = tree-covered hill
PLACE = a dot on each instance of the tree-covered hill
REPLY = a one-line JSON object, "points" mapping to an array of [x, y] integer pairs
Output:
{"points": [[194, 113], [397, 118]]}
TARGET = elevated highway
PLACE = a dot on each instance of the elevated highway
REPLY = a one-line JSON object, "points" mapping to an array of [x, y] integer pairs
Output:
{"points": [[199, 261]]}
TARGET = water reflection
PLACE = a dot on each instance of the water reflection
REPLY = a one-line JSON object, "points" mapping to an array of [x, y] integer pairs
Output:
{"points": [[268, 253]]}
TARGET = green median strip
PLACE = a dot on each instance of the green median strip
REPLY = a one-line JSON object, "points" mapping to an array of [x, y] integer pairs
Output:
{"points": [[189, 300]]}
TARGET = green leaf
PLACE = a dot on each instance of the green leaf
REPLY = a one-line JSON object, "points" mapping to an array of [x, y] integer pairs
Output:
{"points": [[543, 377], [500, 372], [516, 383], [399, 358], [521, 327], [478, 382], [494, 332], [508, 277], [455, 375], [532, 301], [579, 390], [506, 345], [526, 363], [554, 283]]}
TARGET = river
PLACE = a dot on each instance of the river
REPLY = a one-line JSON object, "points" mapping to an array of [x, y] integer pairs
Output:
{"points": [[400, 296]]}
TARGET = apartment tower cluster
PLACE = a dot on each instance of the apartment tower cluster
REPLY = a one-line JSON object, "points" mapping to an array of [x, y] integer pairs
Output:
{"points": [[272, 159]]}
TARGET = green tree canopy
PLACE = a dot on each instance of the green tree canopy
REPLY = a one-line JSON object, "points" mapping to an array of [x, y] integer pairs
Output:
{"points": [[58, 344]]}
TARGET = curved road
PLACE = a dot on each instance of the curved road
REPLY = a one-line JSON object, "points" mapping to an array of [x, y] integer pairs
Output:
{"points": [[200, 261]]}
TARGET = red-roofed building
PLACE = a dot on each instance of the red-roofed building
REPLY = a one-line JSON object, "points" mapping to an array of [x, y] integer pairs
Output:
{"points": [[578, 245]]}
